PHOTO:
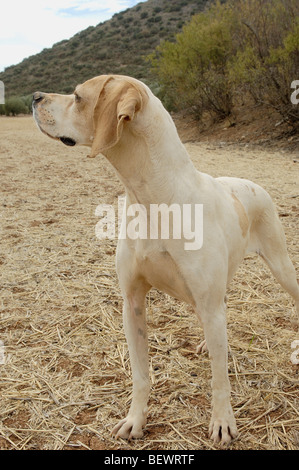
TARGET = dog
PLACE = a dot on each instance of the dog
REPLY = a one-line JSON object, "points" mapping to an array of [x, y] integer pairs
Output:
{"points": [[121, 118]]}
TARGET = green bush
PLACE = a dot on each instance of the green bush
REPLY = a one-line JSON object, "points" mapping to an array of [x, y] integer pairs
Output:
{"points": [[236, 48], [16, 105], [27, 101], [268, 60], [192, 71]]}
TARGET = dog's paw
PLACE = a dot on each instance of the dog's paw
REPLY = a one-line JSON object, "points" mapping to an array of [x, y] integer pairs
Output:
{"points": [[223, 429], [129, 428], [202, 347]]}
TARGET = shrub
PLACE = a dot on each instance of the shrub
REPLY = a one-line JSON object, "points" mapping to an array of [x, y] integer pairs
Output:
{"points": [[14, 106], [268, 62], [236, 47], [192, 71], [17, 105], [27, 100]]}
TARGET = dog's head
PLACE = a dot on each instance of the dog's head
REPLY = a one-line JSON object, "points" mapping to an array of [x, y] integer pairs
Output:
{"points": [[94, 115]]}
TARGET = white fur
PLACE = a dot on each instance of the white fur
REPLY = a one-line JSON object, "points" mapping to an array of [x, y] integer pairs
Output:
{"points": [[239, 217]]}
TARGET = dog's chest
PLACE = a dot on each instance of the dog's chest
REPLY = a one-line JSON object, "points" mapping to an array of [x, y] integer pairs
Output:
{"points": [[162, 272]]}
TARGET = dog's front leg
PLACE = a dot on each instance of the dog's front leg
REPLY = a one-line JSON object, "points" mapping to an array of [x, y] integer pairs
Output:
{"points": [[223, 425], [136, 335]]}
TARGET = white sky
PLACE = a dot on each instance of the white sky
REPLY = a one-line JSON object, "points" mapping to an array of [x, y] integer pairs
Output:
{"points": [[28, 26]]}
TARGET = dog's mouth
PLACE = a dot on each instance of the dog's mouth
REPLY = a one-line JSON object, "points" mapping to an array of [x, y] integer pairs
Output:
{"points": [[65, 140], [68, 141]]}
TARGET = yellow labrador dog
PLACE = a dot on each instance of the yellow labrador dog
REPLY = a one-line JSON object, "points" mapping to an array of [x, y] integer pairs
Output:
{"points": [[120, 118]]}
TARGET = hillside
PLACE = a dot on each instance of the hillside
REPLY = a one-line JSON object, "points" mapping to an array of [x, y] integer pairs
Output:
{"points": [[115, 46]]}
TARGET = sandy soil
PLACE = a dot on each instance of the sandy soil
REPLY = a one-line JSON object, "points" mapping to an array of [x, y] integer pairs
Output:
{"points": [[66, 377]]}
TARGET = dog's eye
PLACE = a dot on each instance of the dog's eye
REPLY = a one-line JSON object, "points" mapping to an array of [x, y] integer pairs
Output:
{"points": [[77, 98]]}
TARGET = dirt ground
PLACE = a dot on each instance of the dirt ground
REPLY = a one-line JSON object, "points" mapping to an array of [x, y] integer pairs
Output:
{"points": [[65, 378]]}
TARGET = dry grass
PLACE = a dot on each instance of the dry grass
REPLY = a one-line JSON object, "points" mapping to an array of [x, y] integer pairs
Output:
{"points": [[66, 380]]}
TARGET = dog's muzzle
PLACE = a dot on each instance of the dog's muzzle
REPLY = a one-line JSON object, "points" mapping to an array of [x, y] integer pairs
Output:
{"points": [[38, 97]]}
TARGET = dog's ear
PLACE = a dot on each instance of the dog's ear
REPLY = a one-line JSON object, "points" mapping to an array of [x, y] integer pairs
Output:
{"points": [[118, 102]]}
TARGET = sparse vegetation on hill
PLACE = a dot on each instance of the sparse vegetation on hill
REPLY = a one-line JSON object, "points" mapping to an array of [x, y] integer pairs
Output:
{"points": [[115, 46]]}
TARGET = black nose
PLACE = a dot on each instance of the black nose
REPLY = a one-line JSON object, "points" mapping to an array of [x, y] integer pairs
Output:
{"points": [[38, 96]]}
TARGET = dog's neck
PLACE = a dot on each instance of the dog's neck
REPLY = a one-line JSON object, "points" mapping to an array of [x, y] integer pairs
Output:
{"points": [[152, 162]]}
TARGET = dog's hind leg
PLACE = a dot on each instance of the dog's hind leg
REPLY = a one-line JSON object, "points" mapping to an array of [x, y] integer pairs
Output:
{"points": [[134, 315], [271, 246]]}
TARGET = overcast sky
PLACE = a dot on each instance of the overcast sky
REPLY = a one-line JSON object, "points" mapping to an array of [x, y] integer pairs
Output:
{"points": [[28, 26]]}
